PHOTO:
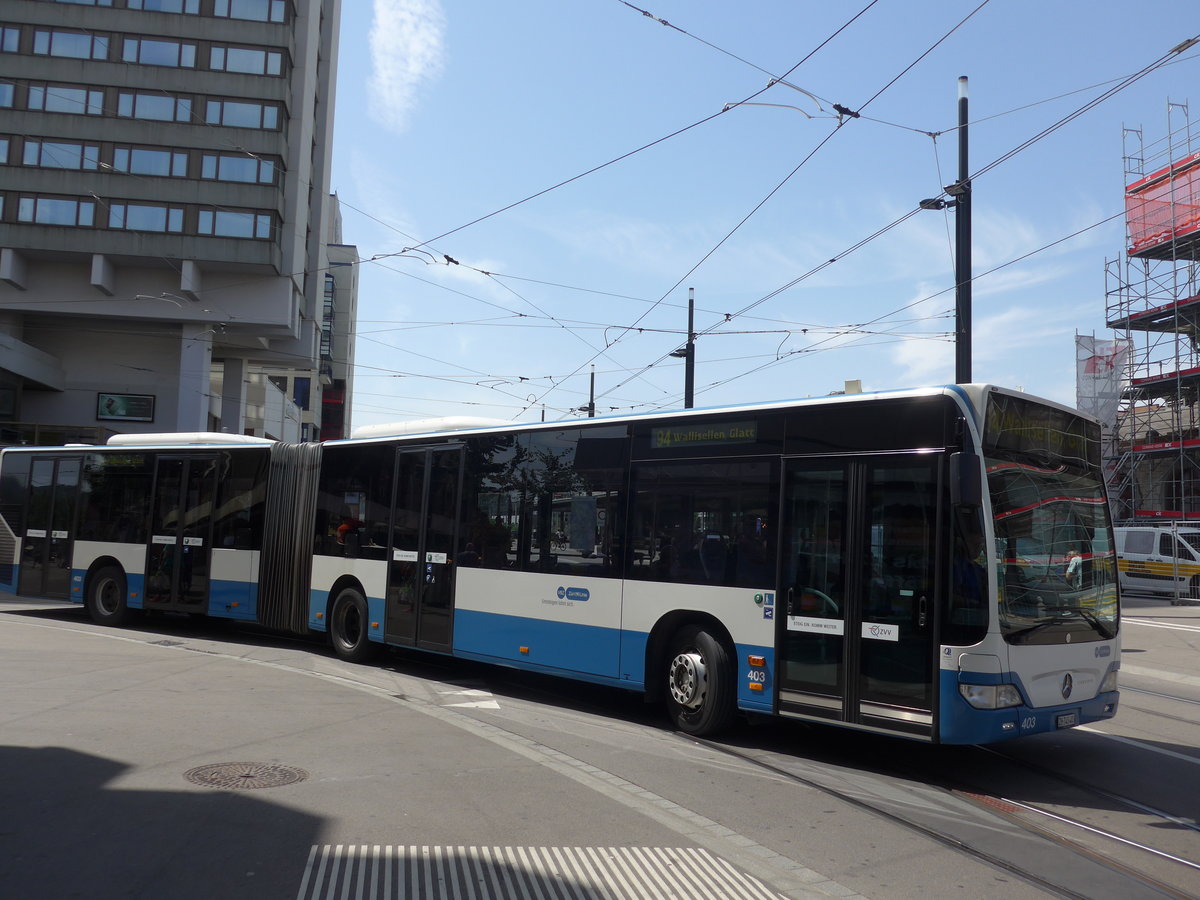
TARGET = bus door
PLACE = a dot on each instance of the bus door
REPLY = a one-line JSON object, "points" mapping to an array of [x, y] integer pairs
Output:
{"points": [[858, 563], [50, 527], [420, 587], [179, 554]]}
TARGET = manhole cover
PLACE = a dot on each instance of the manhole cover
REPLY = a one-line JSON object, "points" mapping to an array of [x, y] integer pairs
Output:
{"points": [[241, 775]]}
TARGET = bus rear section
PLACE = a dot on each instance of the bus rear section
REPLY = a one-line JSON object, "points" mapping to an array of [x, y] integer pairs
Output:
{"points": [[151, 523]]}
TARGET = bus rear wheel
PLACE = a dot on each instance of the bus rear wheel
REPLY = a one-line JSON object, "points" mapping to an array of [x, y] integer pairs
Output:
{"points": [[107, 601], [700, 682], [348, 629]]}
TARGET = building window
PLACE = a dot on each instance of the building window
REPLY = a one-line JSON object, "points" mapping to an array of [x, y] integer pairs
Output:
{"points": [[10, 39], [159, 107], [145, 217], [248, 169], [57, 98], [143, 161], [3, 150], [192, 7], [253, 10], [7, 92], [61, 155], [245, 60], [301, 389], [56, 211], [226, 223], [243, 115], [147, 52], [71, 44]]}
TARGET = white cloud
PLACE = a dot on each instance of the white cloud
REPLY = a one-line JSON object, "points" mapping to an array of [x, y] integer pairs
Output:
{"points": [[406, 51]]}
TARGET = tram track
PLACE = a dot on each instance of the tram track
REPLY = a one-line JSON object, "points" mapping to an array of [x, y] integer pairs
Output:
{"points": [[1020, 811], [1133, 690], [908, 822], [1077, 784], [1048, 824], [1028, 817]]}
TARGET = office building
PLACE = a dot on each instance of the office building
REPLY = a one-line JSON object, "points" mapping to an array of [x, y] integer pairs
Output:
{"points": [[164, 211]]}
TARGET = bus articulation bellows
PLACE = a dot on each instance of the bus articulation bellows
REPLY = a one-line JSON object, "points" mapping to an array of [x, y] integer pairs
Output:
{"points": [[884, 562]]}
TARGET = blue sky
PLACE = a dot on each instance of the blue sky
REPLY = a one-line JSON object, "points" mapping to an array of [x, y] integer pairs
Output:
{"points": [[451, 111]]}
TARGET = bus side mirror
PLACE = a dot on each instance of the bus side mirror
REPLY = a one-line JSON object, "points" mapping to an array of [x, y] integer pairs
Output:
{"points": [[966, 487]]}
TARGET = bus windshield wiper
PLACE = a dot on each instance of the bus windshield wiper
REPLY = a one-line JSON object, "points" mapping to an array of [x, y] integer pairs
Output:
{"points": [[1081, 612], [1092, 619], [1020, 635]]}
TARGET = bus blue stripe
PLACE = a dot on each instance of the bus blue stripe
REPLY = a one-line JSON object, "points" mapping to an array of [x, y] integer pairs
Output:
{"points": [[233, 600], [537, 643]]}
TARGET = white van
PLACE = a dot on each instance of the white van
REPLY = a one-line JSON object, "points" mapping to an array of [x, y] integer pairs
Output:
{"points": [[1158, 559]]}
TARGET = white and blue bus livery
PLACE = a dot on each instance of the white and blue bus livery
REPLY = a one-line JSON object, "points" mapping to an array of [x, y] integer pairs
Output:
{"points": [[869, 561]]}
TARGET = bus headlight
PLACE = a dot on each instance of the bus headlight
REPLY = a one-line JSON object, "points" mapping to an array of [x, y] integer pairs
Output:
{"points": [[1109, 683], [990, 696]]}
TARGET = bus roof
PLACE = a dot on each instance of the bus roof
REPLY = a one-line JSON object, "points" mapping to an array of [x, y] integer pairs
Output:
{"points": [[184, 438]]}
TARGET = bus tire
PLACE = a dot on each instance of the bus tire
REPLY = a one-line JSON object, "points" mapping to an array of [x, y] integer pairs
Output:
{"points": [[700, 682], [348, 626], [107, 600]]}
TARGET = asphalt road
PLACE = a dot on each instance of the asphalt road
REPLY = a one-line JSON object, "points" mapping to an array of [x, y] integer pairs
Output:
{"points": [[192, 759]]}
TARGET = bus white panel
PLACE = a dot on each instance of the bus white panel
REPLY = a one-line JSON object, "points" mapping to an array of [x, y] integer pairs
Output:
{"points": [[572, 599], [749, 614], [132, 557], [371, 573], [235, 565]]}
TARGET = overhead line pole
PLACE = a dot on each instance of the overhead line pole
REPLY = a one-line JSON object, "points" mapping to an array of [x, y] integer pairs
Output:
{"points": [[688, 353], [962, 248], [689, 368], [960, 194]]}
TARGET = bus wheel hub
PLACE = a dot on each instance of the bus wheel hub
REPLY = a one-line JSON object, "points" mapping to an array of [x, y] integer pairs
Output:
{"points": [[689, 679]]}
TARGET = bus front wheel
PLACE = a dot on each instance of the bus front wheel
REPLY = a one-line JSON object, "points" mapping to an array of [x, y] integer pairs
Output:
{"points": [[107, 601], [700, 682], [348, 629]]}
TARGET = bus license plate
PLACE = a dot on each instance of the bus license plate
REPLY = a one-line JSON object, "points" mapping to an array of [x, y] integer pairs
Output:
{"points": [[1070, 720]]}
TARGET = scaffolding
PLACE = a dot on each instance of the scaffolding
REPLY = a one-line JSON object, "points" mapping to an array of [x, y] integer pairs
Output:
{"points": [[1153, 303]]}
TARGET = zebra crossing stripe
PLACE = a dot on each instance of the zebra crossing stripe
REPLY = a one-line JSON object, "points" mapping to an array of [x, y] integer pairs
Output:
{"points": [[397, 872]]}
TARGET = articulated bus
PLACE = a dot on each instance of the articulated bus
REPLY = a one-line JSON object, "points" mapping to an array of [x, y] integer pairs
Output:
{"points": [[874, 561]]}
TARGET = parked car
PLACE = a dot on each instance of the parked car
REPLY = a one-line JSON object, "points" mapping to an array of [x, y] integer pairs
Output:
{"points": [[1159, 559]]}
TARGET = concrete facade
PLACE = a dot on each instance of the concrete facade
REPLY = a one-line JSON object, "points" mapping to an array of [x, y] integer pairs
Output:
{"points": [[164, 181]]}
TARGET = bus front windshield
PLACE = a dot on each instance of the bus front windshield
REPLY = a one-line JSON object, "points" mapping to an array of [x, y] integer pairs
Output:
{"points": [[1056, 569]]}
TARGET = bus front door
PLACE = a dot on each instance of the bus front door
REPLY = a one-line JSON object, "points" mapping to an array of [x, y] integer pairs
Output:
{"points": [[49, 527], [179, 554], [420, 588], [858, 566]]}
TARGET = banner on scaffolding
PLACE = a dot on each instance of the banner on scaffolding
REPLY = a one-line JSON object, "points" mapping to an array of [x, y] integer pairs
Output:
{"points": [[1100, 368]]}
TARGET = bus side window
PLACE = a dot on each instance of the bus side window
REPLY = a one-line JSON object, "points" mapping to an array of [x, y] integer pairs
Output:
{"points": [[968, 619]]}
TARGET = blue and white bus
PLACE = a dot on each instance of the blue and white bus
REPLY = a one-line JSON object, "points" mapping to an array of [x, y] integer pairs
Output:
{"points": [[868, 561]]}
